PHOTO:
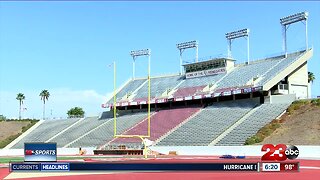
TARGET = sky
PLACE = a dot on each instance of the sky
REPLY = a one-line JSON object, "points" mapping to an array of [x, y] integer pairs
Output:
{"points": [[67, 47]]}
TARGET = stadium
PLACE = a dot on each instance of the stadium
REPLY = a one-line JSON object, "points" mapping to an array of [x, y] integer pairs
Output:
{"points": [[210, 109]]}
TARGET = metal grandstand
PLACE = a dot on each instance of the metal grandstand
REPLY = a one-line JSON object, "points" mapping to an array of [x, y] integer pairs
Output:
{"points": [[214, 102]]}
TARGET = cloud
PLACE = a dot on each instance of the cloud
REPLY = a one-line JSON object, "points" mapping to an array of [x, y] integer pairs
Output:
{"points": [[60, 101]]}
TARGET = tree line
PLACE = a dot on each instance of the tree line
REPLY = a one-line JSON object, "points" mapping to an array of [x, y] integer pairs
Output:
{"points": [[44, 96]]}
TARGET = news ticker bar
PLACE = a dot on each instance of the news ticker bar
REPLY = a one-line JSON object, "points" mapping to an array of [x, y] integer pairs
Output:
{"points": [[116, 166], [77, 166]]}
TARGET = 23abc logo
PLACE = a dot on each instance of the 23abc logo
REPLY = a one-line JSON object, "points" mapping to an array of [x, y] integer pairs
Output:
{"points": [[284, 152]]}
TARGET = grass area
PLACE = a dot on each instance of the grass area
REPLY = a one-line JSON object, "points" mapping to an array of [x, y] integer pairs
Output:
{"points": [[8, 159], [9, 139], [264, 132], [268, 129], [298, 104]]}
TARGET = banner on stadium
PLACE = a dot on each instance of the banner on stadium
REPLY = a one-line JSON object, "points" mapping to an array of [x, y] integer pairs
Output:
{"points": [[133, 103], [237, 91], [179, 99], [124, 104], [247, 90], [205, 73], [161, 100], [197, 97], [218, 93], [143, 102]]}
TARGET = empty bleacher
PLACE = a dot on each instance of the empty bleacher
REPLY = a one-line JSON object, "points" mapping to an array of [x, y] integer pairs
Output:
{"points": [[264, 114], [201, 81], [45, 131], [208, 124], [173, 127], [158, 86], [77, 130], [104, 133], [187, 91], [242, 74], [284, 63], [161, 122], [129, 88]]}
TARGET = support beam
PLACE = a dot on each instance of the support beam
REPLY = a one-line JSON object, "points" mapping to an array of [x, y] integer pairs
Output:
{"points": [[238, 34], [286, 21], [187, 45]]}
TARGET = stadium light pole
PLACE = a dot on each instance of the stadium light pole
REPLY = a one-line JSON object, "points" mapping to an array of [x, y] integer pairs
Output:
{"points": [[133, 67], [286, 21], [238, 34], [145, 52], [114, 99], [187, 45]]}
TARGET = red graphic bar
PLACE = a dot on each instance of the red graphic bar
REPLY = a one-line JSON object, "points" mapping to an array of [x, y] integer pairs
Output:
{"points": [[289, 167]]}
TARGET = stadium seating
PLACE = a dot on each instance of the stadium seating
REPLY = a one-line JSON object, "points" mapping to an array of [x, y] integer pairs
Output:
{"points": [[161, 123], [104, 133], [45, 131], [241, 75], [201, 81], [208, 124], [174, 127], [279, 67], [129, 88], [158, 86], [244, 73], [187, 91], [250, 126], [77, 130]]}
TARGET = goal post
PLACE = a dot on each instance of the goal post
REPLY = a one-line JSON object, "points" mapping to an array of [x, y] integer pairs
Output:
{"points": [[134, 54]]}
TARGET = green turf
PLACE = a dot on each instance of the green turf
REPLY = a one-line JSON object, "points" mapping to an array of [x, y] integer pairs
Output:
{"points": [[8, 159]]}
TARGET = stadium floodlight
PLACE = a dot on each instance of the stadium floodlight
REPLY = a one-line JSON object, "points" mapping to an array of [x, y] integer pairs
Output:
{"points": [[238, 34], [134, 54], [142, 52], [302, 16], [286, 21], [187, 45]]}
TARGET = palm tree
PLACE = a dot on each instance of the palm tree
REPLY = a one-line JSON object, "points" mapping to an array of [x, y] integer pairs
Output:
{"points": [[311, 77], [44, 97], [20, 97]]}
